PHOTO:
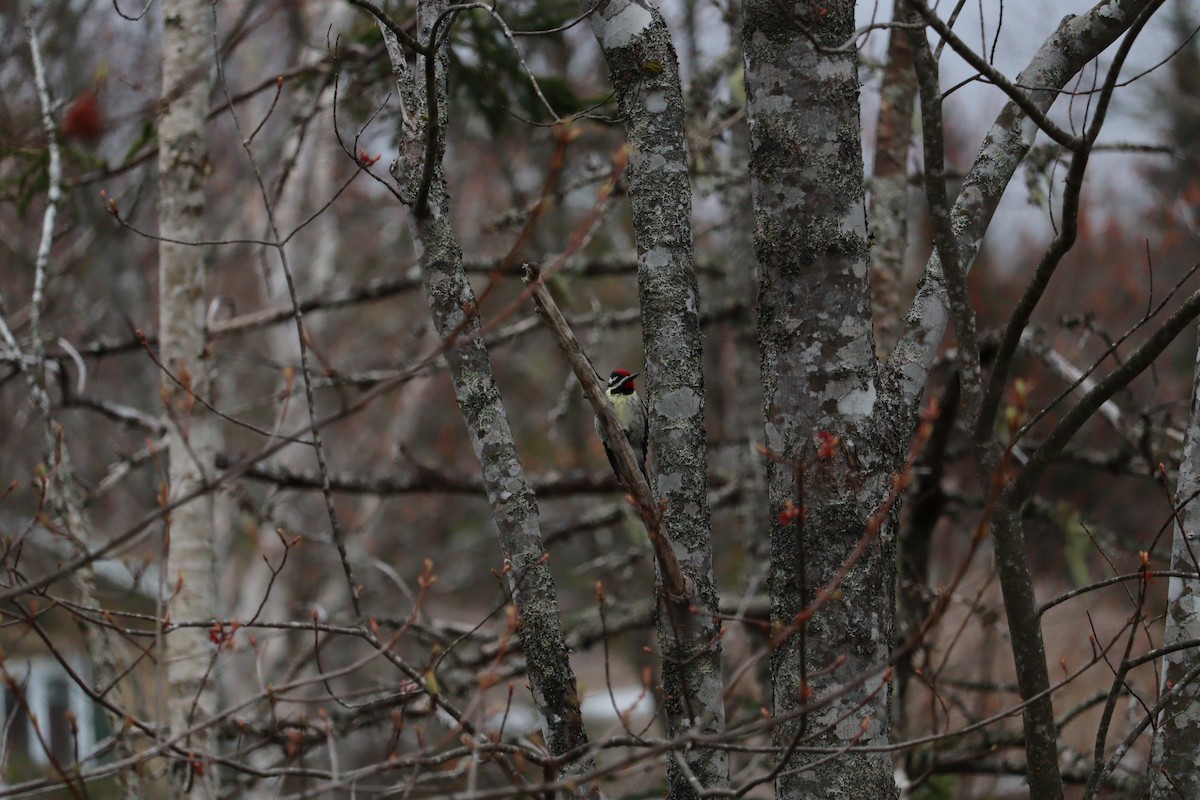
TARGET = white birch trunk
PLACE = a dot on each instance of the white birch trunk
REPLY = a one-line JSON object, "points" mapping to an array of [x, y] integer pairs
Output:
{"points": [[183, 165]]}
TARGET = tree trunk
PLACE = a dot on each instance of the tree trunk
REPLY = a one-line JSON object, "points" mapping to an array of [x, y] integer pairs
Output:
{"points": [[183, 167], [645, 74], [456, 319], [820, 374], [889, 186], [1173, 770]]}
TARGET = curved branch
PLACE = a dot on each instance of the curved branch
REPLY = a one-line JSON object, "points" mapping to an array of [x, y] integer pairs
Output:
{"points": [[1073, 45]]}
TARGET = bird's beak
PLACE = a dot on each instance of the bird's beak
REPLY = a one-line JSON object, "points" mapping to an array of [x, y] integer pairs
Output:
{"points": [[634, 375]]}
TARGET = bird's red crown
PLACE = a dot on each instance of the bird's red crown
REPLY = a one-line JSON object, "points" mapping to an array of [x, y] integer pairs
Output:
{"points": [[621, 381]]}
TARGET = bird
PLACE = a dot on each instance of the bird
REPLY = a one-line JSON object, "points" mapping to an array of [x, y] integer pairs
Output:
{"points": [[631, 415]]}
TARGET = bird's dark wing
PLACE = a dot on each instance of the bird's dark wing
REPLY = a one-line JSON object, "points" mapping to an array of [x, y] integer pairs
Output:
{"points": [[612, 460]]}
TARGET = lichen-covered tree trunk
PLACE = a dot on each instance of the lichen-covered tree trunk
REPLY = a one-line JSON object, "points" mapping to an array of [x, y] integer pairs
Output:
{"points": [[456, 320], [645, 74], [820, 374], [183, 168], [1173, 771]]}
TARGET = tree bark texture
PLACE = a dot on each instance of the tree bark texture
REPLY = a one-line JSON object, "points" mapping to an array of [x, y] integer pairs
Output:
{"points": [[456, 320], [889, 186], [1173, 771], [645, 74], [183, 167], [820, 374]]}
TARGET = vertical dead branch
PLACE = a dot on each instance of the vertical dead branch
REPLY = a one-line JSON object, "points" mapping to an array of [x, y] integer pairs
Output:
{"points": [[63, 492], [1016, 580], [889, 186]]}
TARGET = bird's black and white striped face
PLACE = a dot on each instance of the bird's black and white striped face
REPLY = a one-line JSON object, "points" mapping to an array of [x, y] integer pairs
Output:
{"points": [[621, 381]]}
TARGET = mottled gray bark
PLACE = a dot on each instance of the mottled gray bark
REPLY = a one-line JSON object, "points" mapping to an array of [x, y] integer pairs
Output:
{"points": [[889, 244], [183, 170], [819, 373], [456, 320], [746, 386], [1173, 771], [1077, 41], [889, 186], [645, 75], [739, 380]]}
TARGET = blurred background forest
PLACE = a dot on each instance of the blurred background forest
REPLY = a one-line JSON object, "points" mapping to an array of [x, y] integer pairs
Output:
{"points": [[312, 81]]}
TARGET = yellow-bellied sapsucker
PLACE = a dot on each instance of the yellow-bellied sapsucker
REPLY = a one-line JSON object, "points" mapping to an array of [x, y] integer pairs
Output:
{"points": [[631, 414]]}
